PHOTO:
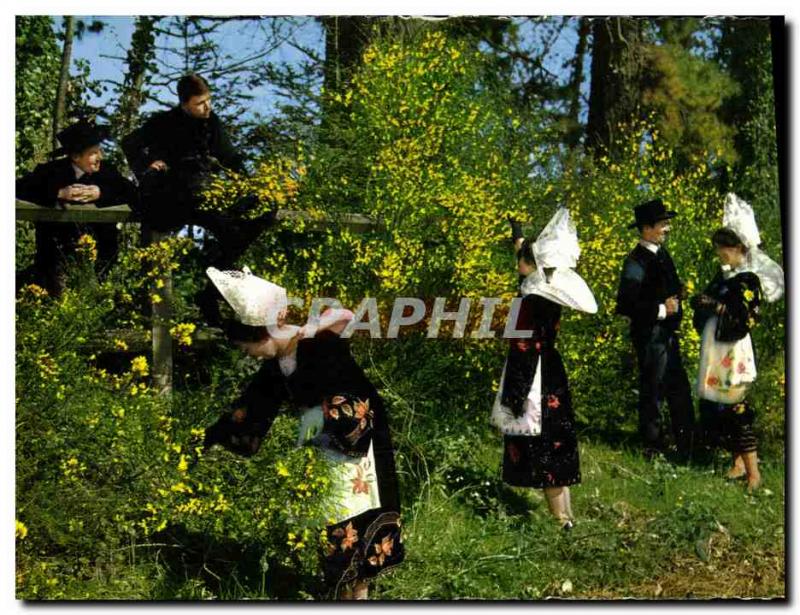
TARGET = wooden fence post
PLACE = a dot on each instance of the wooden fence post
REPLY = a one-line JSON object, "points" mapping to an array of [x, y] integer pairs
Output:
{"points": [[161, 311]]}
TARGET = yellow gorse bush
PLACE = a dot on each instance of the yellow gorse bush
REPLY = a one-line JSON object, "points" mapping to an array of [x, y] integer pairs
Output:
{"points": [[275, 183]]}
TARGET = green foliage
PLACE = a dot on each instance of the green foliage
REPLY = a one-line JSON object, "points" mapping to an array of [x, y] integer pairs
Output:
{"points": [[115, 499], [643, 530], [435, 154], [106, 468], [37, 63], [684, 93]]}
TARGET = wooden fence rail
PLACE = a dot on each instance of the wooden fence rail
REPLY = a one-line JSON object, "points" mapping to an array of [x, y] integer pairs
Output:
{"points": [[161, 347]]}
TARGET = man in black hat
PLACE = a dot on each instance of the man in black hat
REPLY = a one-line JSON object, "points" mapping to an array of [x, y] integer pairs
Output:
{"points": [[79, 177], [174, 154], [650, 296]]}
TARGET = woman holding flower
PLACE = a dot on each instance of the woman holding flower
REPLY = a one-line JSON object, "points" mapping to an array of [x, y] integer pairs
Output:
{"points": [[724, 315], [533, 407], [341, 414]]}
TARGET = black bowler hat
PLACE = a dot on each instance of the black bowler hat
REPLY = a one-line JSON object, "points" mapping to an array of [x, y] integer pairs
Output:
{"points": [[80, 136], [651, 212]]}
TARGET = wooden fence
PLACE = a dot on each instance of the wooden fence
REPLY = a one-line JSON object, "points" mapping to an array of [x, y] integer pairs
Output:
{"points": [[161, 312]]}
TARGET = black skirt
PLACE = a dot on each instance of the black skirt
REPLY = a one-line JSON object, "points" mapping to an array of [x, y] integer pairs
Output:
{"points": [[549, 459]]}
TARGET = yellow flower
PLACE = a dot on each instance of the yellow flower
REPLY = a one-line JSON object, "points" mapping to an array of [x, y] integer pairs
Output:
{"points": [[183, 465], [748, 295], [182, 332], [20, 531], [120, 345], [139, 366], [281, 469], [87, 247]]}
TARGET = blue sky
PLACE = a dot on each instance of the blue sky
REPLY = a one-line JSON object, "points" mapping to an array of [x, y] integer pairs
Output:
{"points": [[105, 52]]}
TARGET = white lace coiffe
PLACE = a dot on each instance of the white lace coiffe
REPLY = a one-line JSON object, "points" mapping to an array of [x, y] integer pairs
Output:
{"points": [[738, 216], [557, 247], [256, 301]]}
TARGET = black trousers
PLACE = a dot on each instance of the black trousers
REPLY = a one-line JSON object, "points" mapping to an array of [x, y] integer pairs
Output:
{"points": [[662, 377]]}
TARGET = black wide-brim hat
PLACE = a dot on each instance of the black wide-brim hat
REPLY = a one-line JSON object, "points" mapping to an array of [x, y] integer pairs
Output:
{"points": [[651, 212], [80, 136]]}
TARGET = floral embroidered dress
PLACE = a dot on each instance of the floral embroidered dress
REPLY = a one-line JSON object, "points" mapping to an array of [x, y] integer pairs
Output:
{"points": [[533, 407], [341, 413], [727, 359]]}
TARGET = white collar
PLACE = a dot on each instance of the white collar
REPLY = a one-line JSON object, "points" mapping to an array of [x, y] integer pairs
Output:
{"points": [[729, 272], [649, 245], [79, 172]]}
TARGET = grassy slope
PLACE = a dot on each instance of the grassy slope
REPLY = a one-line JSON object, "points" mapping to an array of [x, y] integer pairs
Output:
{"points": [[645, 529]]}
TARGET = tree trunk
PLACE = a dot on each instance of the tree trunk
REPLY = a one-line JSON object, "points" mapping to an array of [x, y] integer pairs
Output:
{"points": [[63, 79], [141, 52], [616, 76], [345, 39], [574, 130]]}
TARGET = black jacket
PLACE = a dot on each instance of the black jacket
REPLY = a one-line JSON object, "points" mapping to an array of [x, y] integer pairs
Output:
{"points": [[325, 369], [741, 296], [41, 185], [185, 143], [646, 282]]}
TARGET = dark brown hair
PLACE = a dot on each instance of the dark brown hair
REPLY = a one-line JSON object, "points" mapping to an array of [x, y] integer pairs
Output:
{"points": [[191, 85], [726, 238], [238, 332]]}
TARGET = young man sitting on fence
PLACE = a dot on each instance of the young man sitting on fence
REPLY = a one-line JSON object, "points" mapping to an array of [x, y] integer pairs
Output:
{"points": [[79, 177], [174, 154]]}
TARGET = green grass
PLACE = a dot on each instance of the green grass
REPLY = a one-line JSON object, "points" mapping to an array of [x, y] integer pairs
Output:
{"points": [[644, 529]]}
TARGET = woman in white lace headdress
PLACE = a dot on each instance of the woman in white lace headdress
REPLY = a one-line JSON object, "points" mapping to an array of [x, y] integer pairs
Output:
{"points": [[725, 313], [533, 406], [341, 412]]}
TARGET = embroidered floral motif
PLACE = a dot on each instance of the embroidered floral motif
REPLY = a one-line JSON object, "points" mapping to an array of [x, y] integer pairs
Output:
{"points": [[523, 345], [513, 452], [726, 362], [712, 381], [362, 411], [360, 485], [556, 445], [538, 346], [349, 534], [741, 368], [382, 551], [553, 401]]}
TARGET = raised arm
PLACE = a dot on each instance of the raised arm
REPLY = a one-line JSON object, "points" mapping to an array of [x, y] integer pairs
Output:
{"points": [[243, 428]]}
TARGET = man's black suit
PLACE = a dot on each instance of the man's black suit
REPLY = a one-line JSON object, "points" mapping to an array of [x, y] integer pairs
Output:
{"points": [[646, 282], [54, 240]]}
